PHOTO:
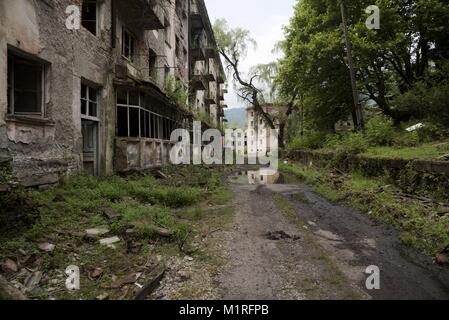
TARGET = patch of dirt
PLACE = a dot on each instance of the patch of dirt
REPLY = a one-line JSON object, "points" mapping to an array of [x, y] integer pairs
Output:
{"points": [[321, 251]]}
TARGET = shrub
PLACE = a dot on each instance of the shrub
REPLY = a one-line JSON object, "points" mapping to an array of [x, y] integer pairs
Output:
{"points": [[175, 197], [311, 140], [353, 143], [406, 139], [431, 132], [380, 130]]}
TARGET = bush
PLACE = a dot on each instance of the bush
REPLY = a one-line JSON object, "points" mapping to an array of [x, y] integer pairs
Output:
{"points": [[431, 132], [353, 143], [175, 197], [311, 140], [380, 130], [406, 139]]}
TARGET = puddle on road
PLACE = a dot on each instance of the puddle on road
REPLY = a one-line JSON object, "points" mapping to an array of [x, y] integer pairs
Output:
{"points": [[258, 177]]}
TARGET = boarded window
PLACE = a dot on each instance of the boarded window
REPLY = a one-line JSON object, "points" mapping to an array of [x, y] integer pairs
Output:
{"points": [[25, 86], [89, 15]]}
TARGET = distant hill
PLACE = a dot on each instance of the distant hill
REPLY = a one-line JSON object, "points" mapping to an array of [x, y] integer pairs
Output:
{"points": [[236, 117]]}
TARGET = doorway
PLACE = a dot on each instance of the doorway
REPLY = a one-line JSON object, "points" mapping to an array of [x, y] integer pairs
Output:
{"points": [[90, 146]]}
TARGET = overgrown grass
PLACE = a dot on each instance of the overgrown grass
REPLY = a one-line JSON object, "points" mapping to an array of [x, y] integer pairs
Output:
{"points": [[142, 202], [424, 151], [421, 227]]}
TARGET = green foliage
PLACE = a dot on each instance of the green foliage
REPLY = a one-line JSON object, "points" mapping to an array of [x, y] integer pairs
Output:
{"points": [[404, 70], [175, 197], [420, 226], [380, 130], [311, 140], [176, 90], [352, 143]]}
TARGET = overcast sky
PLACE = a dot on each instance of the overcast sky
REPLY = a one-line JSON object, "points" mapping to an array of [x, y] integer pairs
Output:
{"points": [[263, 18]]}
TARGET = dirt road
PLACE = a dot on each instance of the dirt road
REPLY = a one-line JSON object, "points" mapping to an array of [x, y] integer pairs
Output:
{"points": [[286, 242]]}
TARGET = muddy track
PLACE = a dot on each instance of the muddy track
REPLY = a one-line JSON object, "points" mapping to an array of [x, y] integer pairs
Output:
{"points": [[272, 256]]}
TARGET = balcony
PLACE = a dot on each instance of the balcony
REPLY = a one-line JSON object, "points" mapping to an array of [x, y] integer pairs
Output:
{"points": [[196, 17], [221, 78], [141, 14], [197, 47], [211, 70], [222, 94], [198, 82], [211, 94]]}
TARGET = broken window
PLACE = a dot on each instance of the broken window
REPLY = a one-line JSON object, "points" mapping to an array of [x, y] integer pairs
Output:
{"points": [[152, 64], [88, 101], [25, 86], [89, 15], [128, 44], [134, 119]]}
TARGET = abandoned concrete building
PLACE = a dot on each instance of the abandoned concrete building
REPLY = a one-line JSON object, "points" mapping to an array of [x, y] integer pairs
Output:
{"points": [[106, 96]]}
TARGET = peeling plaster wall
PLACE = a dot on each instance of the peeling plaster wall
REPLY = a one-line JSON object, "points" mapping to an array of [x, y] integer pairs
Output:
{"points": [[45, 149]]}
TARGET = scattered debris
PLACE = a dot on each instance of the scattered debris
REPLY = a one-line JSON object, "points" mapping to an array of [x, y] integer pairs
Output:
{"points": [[442, 259], [95, 273], [415, 127], [164, 232], [280, 235], [151, 285], [103, 297], [33, 280], [110, 241], [47, 247], [100, 231], [118, 282], [109, 213], [9, 266], [183, 275], [8, 292], [159, 174], [188, 258]]}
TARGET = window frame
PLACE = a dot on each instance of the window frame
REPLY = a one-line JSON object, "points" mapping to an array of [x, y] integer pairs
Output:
{"points": [[87, 116], [158, 125], [97, 17], [11, 84], [132, 44]]}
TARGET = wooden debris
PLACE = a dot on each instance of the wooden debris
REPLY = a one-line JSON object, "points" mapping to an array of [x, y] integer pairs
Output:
{"points": [[150, 286], [9, 266], [8, 292]]}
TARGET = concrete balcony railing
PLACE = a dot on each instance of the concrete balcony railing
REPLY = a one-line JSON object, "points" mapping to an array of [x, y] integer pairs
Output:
{"points": [[141, 14]]}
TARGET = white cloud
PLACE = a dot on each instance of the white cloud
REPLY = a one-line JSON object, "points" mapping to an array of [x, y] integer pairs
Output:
{"points": [[264, 19]]}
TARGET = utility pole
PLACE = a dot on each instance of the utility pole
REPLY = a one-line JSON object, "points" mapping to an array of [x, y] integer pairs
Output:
{"points": [[355, 93]]}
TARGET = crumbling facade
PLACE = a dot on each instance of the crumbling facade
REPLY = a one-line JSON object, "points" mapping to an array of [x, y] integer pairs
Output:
{"points": [[258, 131], [103, 97], [207, 75]]}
